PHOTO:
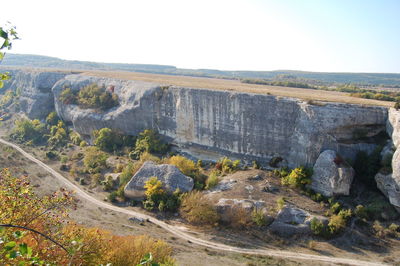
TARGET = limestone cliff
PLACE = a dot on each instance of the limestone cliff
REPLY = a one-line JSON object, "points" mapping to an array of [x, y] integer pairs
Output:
{"points": [[34, 90], [210, 123]]}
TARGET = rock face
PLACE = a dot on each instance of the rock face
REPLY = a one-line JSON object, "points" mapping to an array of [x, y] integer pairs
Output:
{"points": [[209, 123], [169, 175], [331, 176], [292, 220], [34, 87], [390, 184]]}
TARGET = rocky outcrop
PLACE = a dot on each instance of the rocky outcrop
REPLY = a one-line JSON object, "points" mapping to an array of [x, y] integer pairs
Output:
{"points": [[293, 221], [227, 208], [390, 184], [169, 175], [331, 175], [209, 123], [34, 90]]}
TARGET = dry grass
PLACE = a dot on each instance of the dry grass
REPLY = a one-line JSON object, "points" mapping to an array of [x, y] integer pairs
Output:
{"points": [[235, 85]]}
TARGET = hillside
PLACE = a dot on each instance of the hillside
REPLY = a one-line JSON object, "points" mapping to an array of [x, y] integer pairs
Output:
{"points": [[376, 79]]}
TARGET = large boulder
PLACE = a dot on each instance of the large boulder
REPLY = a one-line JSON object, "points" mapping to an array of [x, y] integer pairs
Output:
{"points": [[169, 175], [293, 221], [389, 188], [390, 184], [331, 176]]}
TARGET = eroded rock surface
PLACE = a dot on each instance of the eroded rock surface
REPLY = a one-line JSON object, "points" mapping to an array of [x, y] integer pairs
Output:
{"points": [[227, 207], [169, 175], [293, 221], [390, 184], [34, 89], [331, 175], [211, 123]]}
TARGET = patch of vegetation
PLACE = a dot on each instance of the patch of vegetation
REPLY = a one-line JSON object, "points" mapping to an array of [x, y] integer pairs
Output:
{"points": [[157, 197], [94, 160], [298, 177], [46, 214], [258, 217], [226, 165], [198, 209], [58, 135], [52, 119], [148, 141], [213, 179], [90, 97], [29, 130], [109, 140]]}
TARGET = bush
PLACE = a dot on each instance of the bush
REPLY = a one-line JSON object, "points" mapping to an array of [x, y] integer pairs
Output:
{"points": [[110, 140], [52, 119], [298, 177], [212, 179], [258, 217], [58, 135], [156, 197], [29, 130], [186, 166], [361, 212], [280, 203], [148, 141], [92, 96], [225, 165], [94, 160], [75, 138], [317, 227], [83, 144], [67, 96], [198, 209]]}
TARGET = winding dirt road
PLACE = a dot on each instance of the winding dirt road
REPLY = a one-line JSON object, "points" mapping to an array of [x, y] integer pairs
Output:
{"points": [[179, 233]]}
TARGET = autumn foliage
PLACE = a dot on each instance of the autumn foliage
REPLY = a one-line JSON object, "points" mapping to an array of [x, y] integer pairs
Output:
{"points": [[36, 230]]}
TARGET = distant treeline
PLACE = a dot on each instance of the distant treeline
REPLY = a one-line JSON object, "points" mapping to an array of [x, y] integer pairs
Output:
{"points": [[293, 84]]}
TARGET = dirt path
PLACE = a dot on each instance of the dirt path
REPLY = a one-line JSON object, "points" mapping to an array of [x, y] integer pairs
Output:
{"points": [[179, 233]]}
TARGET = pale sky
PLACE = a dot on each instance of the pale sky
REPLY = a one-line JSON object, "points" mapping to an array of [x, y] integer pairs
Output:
{"points": [[312, 35]]}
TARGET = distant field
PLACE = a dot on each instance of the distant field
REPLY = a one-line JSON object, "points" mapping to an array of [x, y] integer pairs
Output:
{"points": [[235, 85]]}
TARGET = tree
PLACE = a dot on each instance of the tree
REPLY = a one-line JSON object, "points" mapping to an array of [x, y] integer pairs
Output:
{"points": [[7, 34]]}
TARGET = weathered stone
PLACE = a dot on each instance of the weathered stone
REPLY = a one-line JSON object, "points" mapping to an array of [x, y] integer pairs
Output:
{"points": [[210, 123], [390, 184], [225, 207], [224, 185], [255, 178], [331, 175], [169, 175], [36, 98], [389, 188], [293, 221]]}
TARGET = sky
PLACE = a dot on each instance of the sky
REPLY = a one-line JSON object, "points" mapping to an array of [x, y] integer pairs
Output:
{"points": [[309, 35]]}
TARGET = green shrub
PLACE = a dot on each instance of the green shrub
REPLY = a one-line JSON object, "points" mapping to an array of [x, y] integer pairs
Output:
{"points": [[361, 212], [112, 197], [336, 224], [94, 160], [83, 144], [67, 96], [52, 155], [280, 203], [148, 141], [186, 166], [226, 165], [29, 130], [52, 119], [317, 227], [258, 217], [75, 138], [92, 96], [64, 159], [58, 135], [298, 177], [212, 179], [157, 197], [110, 140]]}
